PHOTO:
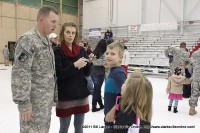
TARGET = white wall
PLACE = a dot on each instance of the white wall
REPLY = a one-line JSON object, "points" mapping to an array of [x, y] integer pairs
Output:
{"points": [[129, 12], [189, 6], [96, 13], [171, 11]]}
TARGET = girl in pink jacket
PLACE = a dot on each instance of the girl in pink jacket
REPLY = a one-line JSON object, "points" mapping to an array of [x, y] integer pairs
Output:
{"points": [[175, 87]]}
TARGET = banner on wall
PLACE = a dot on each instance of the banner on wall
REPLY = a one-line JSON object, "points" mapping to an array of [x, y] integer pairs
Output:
{"points": [[95, 33], [159, 26], [132, 28]]}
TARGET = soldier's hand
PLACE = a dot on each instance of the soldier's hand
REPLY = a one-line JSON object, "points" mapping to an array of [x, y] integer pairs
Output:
{"points": [[92, 57], [187, 66], [26, 115], [106, 65]]}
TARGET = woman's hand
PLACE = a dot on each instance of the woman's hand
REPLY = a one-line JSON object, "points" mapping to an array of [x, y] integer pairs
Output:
{"points": [[82, 62]]}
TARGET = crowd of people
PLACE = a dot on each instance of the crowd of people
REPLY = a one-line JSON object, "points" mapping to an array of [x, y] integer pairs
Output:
{"points": [[61, 70]]}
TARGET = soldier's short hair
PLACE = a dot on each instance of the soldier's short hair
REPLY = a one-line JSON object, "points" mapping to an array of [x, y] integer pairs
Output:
{"points": [[45, 10], [183, 45]]}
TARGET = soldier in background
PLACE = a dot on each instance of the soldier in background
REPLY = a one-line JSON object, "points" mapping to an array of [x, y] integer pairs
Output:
{"points": [[183, 46], [6, 55], [177, 58], [33, 74], [195, 63], [186, 85]]}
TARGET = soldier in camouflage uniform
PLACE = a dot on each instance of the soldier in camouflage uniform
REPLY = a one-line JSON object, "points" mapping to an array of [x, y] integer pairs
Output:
{"points": [[195, 62], [6, 54], [33, 74], [177, 58]]}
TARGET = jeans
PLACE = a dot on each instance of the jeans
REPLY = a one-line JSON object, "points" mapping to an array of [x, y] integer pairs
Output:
{"points": [[78, 123], [98, 81], [175, 102], [90, 84]]}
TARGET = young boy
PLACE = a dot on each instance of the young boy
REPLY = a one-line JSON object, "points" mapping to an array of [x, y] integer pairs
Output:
{"points": [[115, 79]]}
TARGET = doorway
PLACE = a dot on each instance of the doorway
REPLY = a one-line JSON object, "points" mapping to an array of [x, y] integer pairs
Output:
{"points": [[11, 47]]}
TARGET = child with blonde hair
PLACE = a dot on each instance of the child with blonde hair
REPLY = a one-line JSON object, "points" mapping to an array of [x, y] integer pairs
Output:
{"points": [[115, 79], [134, 112]]}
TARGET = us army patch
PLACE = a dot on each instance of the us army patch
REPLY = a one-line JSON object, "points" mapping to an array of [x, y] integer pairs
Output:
{"points": [[23, 57]]}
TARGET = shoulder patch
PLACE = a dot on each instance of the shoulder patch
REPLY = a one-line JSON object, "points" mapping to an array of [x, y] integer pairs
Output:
{"points": [[23, 57]]}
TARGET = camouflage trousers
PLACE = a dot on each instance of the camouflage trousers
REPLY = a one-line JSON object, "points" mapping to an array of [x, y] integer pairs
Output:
{"points": [[195, 93], [36, 125]]}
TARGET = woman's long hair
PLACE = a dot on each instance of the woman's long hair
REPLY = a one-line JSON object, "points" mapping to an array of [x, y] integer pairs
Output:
{"points": [[138, 97], [68, 24]]}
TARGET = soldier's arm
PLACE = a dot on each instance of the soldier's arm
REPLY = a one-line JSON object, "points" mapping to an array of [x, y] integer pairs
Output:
{"points": [[169, 51], [166, 52], [21, 74], [192, 63], [100, 61], [172, 50]]}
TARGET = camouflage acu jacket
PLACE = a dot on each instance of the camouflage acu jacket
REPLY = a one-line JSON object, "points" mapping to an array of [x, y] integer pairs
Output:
{"points": [[33, 73], [180, 57]]}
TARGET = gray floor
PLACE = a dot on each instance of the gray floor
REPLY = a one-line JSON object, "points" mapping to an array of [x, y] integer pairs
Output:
{"points": [[9, 122]]}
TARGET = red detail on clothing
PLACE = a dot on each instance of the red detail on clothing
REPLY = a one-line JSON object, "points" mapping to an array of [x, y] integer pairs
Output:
{"points": [[126, 68], [137, 120], [70, 111], [194, 49], [70, 53], [89, 51], [117, 105]]}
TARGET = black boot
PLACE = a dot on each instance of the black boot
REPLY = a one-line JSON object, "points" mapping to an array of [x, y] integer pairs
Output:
{"points": [[175, 110], [100, 104], [94, 108], [169, 108]]}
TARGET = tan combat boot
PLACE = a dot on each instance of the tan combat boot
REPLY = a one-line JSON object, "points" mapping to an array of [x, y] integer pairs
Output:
{"points": [[192, 110]]}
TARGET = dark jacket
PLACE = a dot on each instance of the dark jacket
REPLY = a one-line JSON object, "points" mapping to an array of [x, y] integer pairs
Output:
{"points": [[71, 81], [126, 120]]}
